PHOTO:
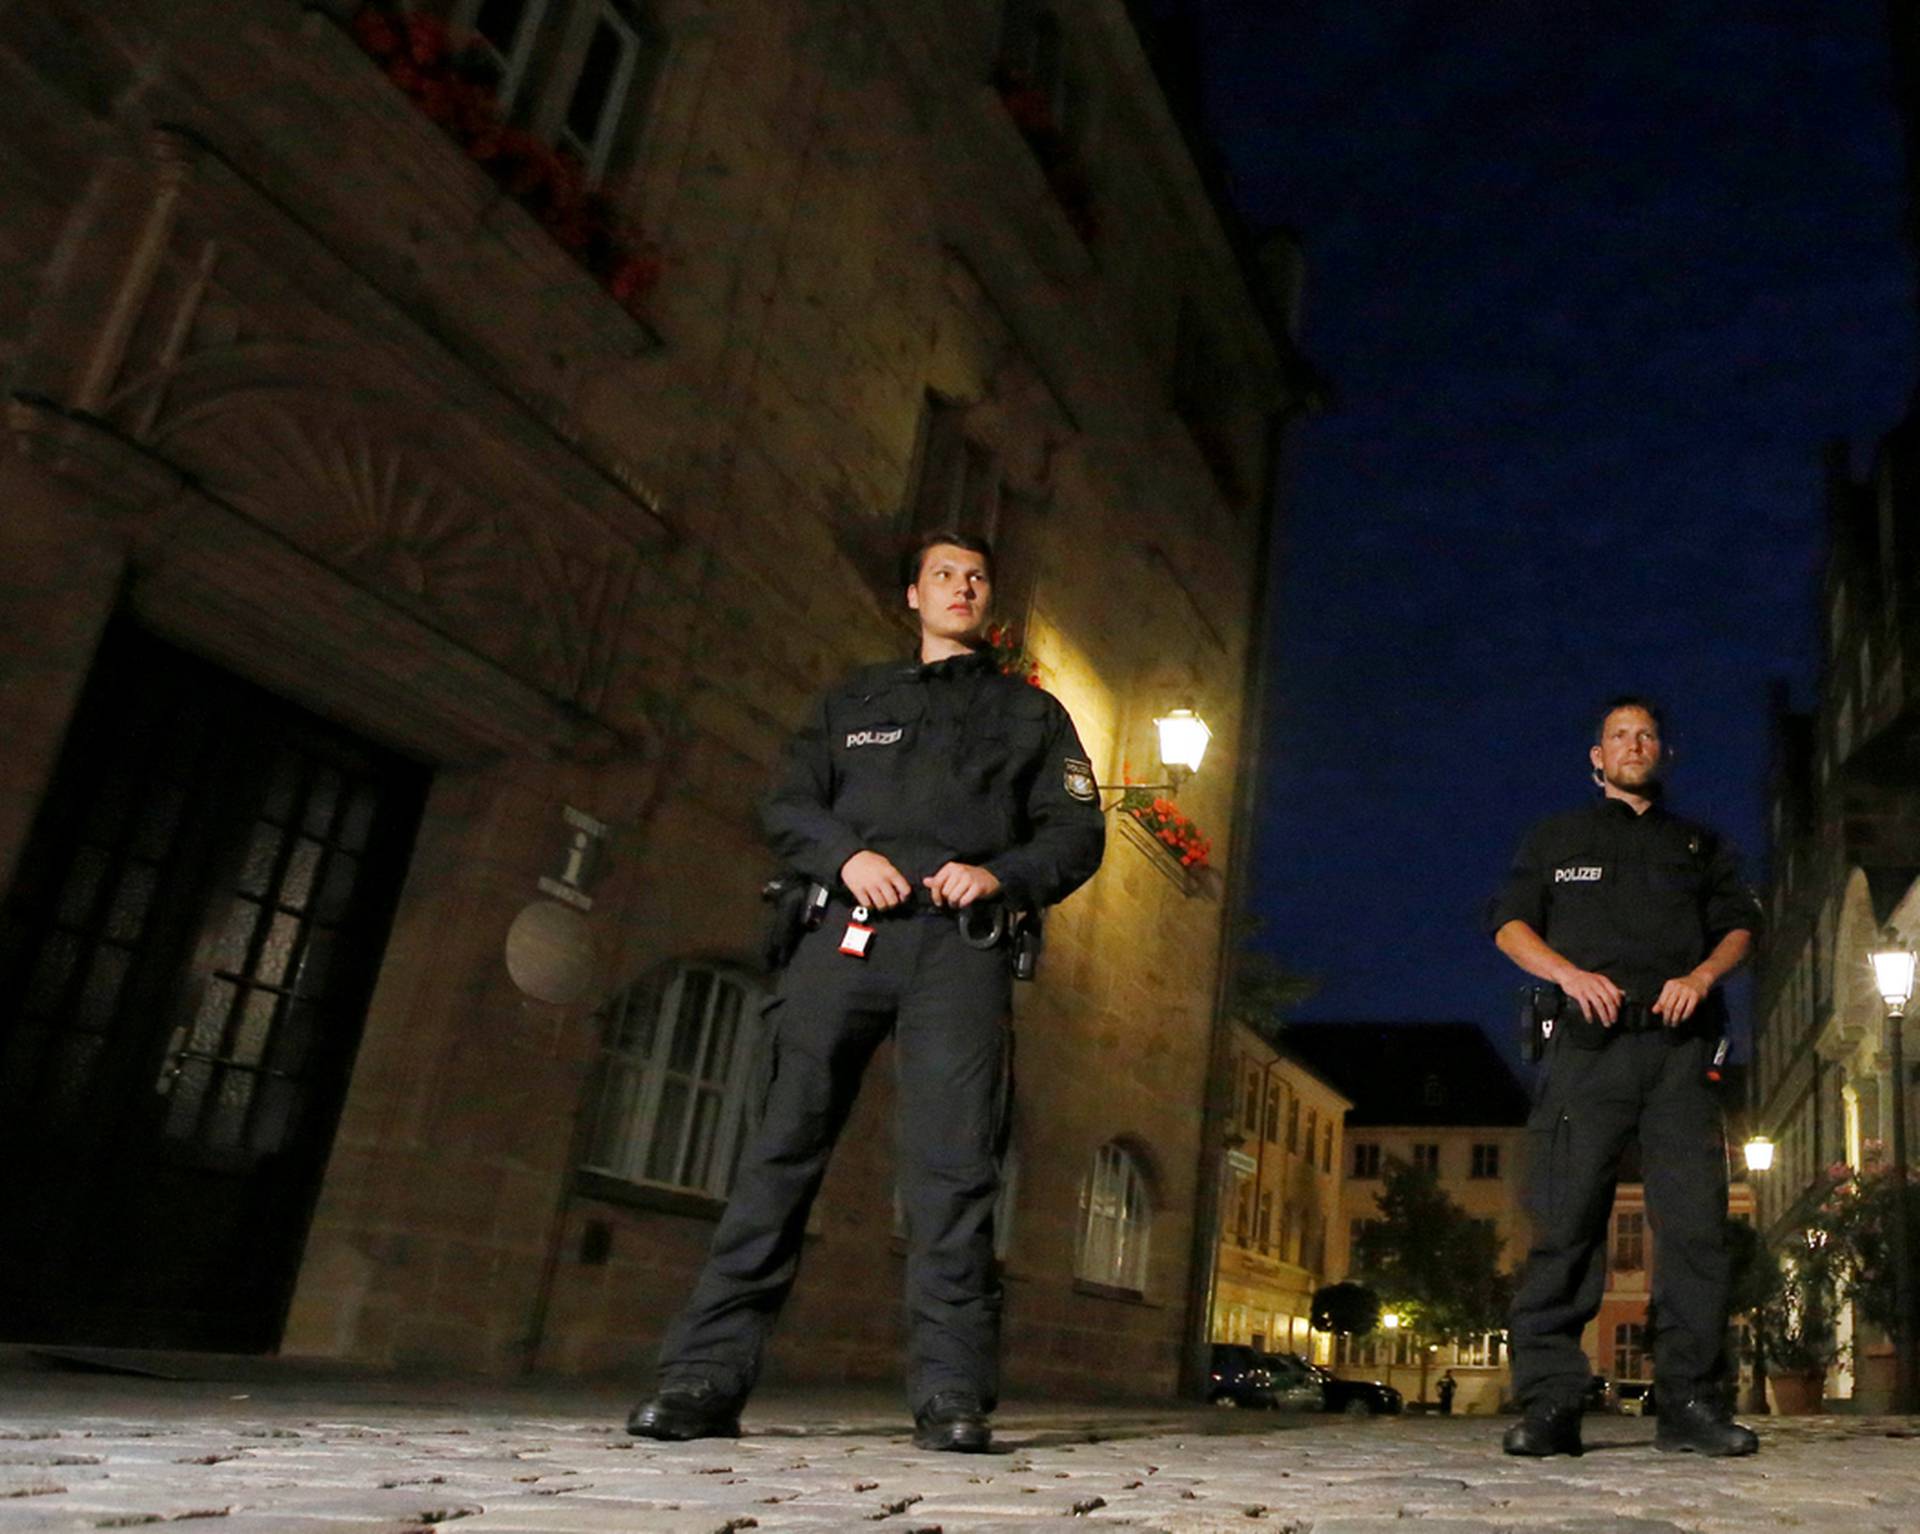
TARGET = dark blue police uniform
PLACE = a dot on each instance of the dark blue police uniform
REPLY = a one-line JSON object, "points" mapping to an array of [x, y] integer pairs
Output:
{"points": [[1642, 899], [924, 764]]}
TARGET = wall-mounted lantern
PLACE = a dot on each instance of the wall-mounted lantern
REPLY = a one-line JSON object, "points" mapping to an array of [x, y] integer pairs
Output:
{"points": [[1184, 737]]}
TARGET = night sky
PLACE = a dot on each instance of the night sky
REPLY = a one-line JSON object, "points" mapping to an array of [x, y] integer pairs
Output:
{"points": [[1594, 283]]}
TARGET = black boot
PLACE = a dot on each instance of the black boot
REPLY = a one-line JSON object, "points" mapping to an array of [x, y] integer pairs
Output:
{"points": [[1702, 1425], [953, 1421], [1545, 1430], [687, 1408]]}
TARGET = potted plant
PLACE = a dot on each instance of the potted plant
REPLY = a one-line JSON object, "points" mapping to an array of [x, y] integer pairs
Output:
{"points": [[1793, 1327], [1857, 1221]]}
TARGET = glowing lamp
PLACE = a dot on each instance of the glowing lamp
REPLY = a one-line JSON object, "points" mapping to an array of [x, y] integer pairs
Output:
{"points": [[1183, 742], [1893, 976], [1759, 1152]]}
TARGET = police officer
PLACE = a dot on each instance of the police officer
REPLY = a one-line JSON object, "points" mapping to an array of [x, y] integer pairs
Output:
{"points": [[1633, 916], [921, 794]]}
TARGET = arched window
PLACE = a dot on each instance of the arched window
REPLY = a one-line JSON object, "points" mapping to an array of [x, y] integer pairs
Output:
{"points": [[1116, 1221], [681, 1052]]}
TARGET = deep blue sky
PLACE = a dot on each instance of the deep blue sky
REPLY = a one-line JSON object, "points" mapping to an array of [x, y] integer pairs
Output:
{"points": [[1594, 281]]}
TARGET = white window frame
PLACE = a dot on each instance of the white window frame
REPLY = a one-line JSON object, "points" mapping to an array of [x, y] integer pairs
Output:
{"points": [[1115, 1231], [635, 1080], [513, 66], [585, 20]]}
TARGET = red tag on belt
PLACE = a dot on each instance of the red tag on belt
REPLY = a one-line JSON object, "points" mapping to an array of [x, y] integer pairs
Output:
{"points": [[858, 934]]}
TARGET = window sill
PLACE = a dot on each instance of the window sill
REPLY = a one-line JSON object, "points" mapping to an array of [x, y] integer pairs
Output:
{"points": [[608, 1189], [1096, 1291]]}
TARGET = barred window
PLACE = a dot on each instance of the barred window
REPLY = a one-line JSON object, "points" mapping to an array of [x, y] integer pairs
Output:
{"points": [[1116, 1221], [681, 1051]]}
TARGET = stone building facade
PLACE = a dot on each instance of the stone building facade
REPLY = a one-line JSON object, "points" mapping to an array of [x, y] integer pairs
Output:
{"points": [[1844, 853], [413, 565], [1284, 1231]]}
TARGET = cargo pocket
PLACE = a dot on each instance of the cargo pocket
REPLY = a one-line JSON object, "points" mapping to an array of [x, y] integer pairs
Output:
{"points": [[768, 1065], [1549, 1137], [1002, 1127]]}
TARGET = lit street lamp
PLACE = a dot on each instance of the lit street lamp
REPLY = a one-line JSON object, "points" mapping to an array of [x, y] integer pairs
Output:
{"points": [[1184, 737], [1759, 1154], [1893, 968]]}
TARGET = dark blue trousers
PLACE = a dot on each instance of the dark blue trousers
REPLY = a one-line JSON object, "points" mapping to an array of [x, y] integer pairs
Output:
{"points": [[1592, 1103], [947, 1006]]}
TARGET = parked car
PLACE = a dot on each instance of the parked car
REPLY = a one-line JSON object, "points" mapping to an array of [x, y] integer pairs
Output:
{"points": [[1356, 1398], [1241, 1376], [1634, 1398]]}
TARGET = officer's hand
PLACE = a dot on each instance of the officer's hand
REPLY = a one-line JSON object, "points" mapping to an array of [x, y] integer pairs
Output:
{"points": [[875, 882], [1598, 996], [1680, 997], [960, 884]]}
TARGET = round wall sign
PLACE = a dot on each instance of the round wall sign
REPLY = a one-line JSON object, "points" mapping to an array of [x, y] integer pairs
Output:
{"points": [[550, 952]]}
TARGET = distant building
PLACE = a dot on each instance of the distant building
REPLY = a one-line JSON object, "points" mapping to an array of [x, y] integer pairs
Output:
{"points": [[1437, 1095], [1285, 1229], [1844, 833]]}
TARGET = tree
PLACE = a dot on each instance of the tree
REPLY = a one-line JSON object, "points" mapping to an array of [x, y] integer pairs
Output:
{"points": [[1430, 1261], [1348, 1307], [1263, 993]]}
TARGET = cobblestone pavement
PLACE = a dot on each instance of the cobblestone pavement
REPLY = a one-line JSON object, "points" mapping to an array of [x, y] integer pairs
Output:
{"points": [[83, 1452]]}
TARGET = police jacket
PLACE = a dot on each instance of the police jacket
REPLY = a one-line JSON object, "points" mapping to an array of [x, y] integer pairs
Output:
{"points": [[930, 764], [1639, 898]]}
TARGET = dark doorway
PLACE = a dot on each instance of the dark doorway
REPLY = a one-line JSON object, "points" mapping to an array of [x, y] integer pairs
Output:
{"points": [[186, 959]]}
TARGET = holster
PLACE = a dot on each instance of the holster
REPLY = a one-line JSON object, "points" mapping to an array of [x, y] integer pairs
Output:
{"points": [[1024, 941], [1540, 1007], [795, 905]]}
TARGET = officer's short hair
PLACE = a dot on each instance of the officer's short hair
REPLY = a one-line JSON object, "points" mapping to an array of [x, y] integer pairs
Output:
{"points": [[1628, 700], [915, 554]]}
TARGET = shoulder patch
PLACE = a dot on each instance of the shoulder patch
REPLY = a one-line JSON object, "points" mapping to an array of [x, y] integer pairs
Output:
{"points": [[1078, 780]]}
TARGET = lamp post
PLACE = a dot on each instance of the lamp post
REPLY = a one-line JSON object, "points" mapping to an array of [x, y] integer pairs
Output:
{"points": [[1893, 967], [1759, 1153]]}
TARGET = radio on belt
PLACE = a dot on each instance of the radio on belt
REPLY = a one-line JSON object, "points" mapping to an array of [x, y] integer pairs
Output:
{"points": [[858, 935]]}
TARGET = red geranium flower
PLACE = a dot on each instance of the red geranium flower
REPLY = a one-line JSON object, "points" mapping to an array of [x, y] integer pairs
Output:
{"points": [[375, 33]]}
